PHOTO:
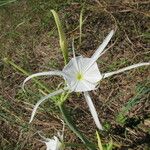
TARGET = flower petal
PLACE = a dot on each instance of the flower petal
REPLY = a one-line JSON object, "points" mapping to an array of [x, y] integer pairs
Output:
{"points": [[71, 70], [61, 135], [51, 144], [100, 49], [59, 73], [103, 45], [84, 85], [43, 99], [74, 56], [105, 75], [93, 110], [93, 74]]}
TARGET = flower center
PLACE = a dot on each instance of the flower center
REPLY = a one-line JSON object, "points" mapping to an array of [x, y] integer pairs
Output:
{"points": [[79, 76]]}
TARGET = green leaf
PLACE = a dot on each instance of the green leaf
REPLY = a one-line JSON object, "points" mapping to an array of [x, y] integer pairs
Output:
{"points": [[72, 126], [146, 35], [15, 66], [5, 2], [99, 141], [121, 116], [62, 37], [110, 145]]}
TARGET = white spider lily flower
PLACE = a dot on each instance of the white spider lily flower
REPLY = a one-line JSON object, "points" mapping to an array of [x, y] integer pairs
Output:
{"points": [[82, 75], [55, 143]]}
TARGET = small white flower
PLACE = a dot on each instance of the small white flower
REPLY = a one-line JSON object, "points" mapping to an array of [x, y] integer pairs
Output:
{"points": [[82, 75], [55, 143]]}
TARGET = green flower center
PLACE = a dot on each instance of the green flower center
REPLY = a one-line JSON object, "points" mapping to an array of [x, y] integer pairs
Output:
{"points": [[79, 76]]}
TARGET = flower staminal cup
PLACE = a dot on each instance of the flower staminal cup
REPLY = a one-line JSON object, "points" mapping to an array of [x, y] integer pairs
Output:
{"points": [[82, 75]]}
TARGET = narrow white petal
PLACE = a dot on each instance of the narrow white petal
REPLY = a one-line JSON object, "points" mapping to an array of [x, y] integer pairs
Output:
{"points": [[61, 136], [74, 56], [105, 75], [73, 49], [103, 45], [49, 73], [43, 99], [100, 49], [93, 110]]}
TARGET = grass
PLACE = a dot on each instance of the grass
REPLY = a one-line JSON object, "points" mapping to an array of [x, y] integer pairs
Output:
{"points": [[6, 2], [141, 91], [29, 38]]}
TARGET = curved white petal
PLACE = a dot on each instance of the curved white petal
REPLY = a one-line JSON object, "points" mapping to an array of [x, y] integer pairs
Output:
{"points": [[93, 110], [103, 45], [105, 75], [100, 49], [43, 99], [74, 56], [61, 136], [49, 73]]}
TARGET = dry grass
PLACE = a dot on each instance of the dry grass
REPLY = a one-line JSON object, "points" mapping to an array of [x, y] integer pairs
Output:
{"points": [[29, 38]]}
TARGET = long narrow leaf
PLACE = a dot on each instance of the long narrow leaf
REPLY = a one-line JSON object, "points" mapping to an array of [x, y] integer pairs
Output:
{"points": [[62, 37], [5, 2], [110, 145], [15, 66], [72, 126], [99, 141]]}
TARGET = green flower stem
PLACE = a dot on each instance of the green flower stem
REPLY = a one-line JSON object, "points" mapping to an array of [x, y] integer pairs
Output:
{"points": [[26, 73], [69, 122]]}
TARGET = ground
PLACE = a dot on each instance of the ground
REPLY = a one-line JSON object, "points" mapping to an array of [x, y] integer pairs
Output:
{"points": [[29, 38]]}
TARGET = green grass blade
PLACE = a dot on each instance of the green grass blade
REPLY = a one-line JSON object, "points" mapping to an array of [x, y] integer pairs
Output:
{"points": [[26, 73], [72, 126], [110, 145], [62, 37], [5, 2], [99, 141], [121, 117], [80, 24], [146, 35], [74, 145]]}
